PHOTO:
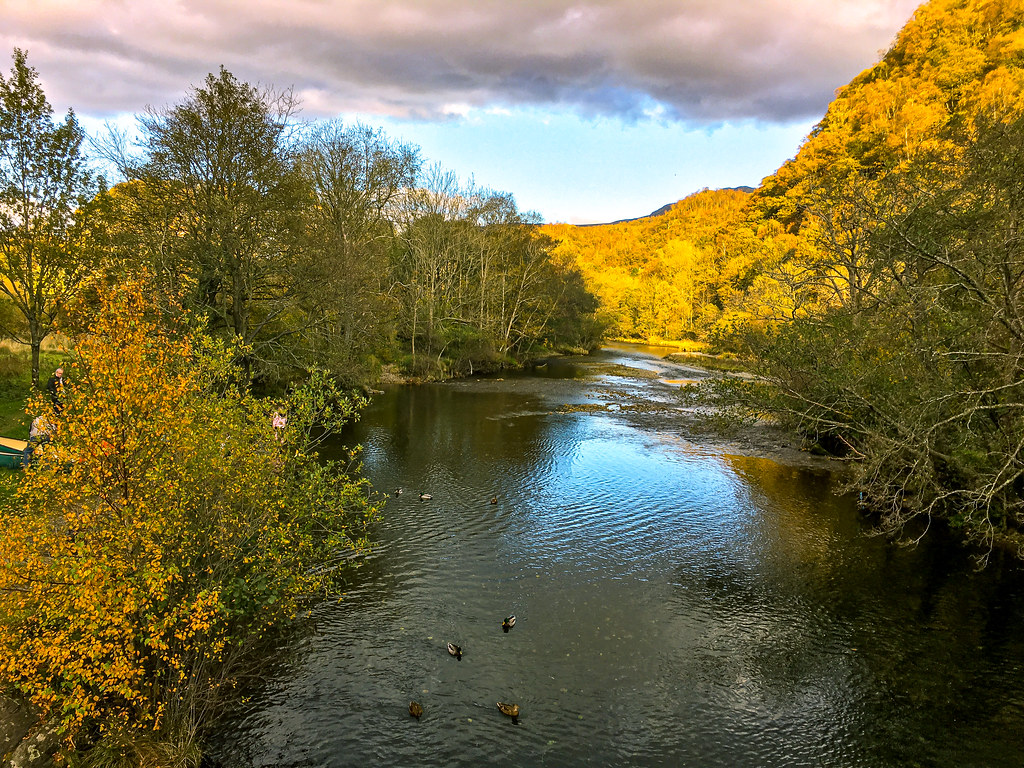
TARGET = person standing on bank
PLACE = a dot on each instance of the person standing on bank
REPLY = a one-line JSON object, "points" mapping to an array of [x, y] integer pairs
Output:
{"points": [[55, 388]]}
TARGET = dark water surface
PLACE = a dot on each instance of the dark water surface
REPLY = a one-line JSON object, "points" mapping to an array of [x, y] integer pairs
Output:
{"points": [[677, 605]]}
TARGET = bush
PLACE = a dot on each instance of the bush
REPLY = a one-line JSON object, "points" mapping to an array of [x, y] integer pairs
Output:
{"points": [[169, 534]]}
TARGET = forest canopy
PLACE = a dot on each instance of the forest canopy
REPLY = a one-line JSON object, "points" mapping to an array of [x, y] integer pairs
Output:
{"points": [[312, 245]]}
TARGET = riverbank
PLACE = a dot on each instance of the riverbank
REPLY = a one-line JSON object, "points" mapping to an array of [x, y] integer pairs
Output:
{"points": [[759, 438], [25, 741], [684, 363], [679, 364], [16, 384]]}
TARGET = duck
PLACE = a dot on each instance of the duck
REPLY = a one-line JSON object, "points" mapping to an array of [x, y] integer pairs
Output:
{"points": [[494, 499], [398, 492], [512, 710], [508, 623], [455, 651], [415, 709], [425, 496]]}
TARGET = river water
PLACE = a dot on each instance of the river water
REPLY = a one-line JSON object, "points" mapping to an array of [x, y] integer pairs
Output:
{"points": [[680, 601]]}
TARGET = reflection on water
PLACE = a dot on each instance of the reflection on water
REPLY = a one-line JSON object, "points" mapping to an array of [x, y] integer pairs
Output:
{"points": [[675, 606]]}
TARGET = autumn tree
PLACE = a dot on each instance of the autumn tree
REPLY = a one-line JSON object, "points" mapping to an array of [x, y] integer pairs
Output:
{"points": [[660, 276], [921, 388], [44, 187], [168, 533]]}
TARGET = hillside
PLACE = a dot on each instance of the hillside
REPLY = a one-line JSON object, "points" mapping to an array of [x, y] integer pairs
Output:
{"points": [[954, 61], [874, 283], [656, 276], [709, 268], [885, 303]]}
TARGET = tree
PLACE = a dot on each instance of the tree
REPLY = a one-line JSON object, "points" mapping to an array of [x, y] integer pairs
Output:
{"points": [[924, 386], [169, 533], [356, 178], [479, 280], [44, 186], [658, 276], [220, 166]]}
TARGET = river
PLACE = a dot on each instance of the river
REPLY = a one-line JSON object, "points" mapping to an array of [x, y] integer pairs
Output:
{"points": [[680, 601]]}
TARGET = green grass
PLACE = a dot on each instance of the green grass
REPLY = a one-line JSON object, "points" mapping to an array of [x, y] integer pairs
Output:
{"points": [[14, 422], [15, 388]]}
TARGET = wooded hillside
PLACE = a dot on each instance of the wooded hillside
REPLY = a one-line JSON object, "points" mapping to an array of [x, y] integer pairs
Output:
{"points": [[662, 276]]}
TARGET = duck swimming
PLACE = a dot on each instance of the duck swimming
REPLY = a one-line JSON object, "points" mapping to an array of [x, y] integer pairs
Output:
{"points": [[455, 651], [415, 709], [425, 496], [508, 623], [512, 710]]}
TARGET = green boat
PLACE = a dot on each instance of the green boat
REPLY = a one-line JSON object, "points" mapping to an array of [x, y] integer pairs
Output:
{"points": [[11, 451]]}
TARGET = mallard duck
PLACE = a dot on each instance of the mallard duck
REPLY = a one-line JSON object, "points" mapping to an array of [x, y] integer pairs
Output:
{"points": [[415, 709], [425, 496], [512, 710], [508, 623], [455, 651]]}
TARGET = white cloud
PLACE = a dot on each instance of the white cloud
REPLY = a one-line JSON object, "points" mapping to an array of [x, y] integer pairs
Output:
{"points": [[456, 110]]}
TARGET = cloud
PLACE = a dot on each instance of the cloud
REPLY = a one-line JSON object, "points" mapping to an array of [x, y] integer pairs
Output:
{"points": [[699, 61]]}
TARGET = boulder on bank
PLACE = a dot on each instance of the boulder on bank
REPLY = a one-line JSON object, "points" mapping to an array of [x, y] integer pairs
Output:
{"points": [[24, 741], [15, 723], [37, 748]]}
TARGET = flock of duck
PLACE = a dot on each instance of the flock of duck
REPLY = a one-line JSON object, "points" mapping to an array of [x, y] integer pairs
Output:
{"points": [[512, 710]]}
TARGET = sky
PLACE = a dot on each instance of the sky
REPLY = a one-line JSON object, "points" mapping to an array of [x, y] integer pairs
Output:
{"points": [[585, 110]]}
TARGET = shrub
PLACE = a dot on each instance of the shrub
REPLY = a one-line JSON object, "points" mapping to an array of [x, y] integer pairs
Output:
{"points": [[169, 533]]}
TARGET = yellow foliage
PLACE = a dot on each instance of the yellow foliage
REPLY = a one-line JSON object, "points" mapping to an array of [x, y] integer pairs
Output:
{"points": [[166, 530], [655, 277]]}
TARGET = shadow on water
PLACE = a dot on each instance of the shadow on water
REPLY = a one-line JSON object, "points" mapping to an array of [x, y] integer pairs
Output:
{"points": [[676, 606]]}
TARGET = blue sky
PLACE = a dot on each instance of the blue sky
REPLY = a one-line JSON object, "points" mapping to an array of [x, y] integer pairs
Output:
{"points": [[585, 110], [583, 170]]}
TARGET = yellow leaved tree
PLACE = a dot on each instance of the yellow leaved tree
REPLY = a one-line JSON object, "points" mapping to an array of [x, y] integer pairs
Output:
{"points": [[168, 532]]}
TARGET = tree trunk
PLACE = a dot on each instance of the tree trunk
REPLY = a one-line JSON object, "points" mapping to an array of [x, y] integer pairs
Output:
{"points": [[36, 345]]}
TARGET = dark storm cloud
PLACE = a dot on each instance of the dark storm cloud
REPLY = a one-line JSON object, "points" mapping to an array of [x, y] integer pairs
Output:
{"points": [[693, 60]]}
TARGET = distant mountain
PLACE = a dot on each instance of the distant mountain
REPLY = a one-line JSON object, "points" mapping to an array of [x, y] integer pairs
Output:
{"points": [[664, 209]]}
